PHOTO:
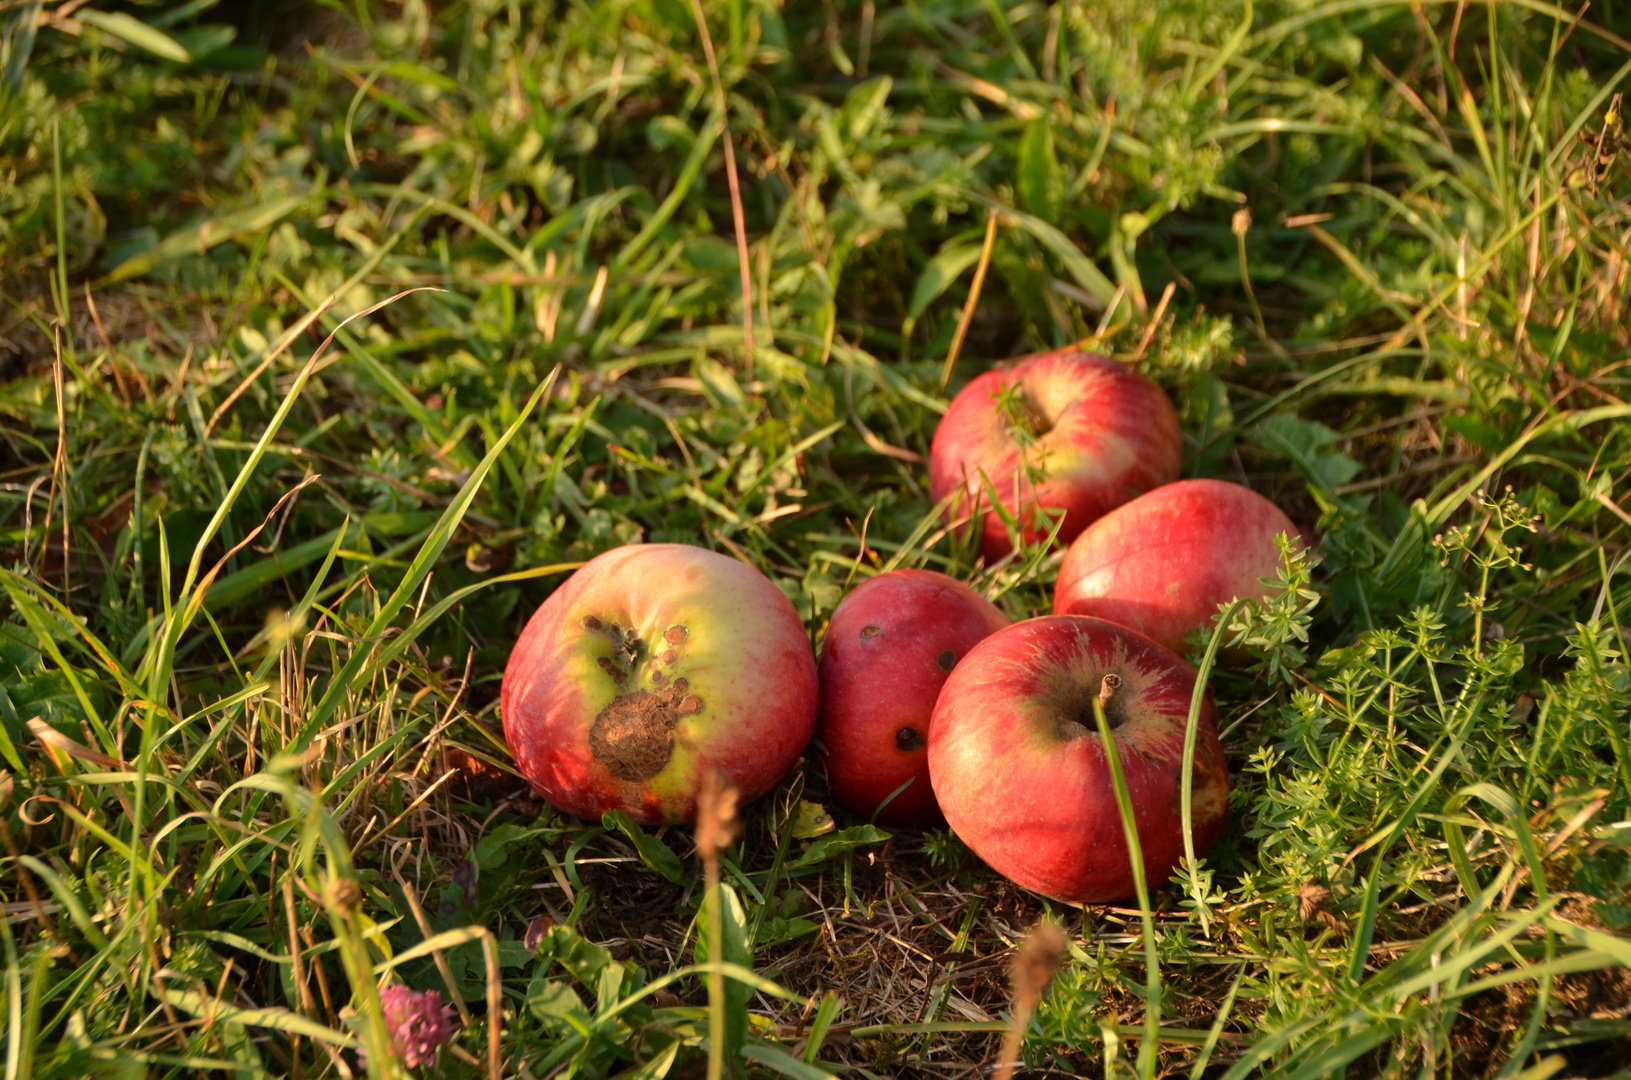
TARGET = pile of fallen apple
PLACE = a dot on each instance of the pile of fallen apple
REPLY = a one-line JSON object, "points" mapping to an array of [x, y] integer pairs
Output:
{"points": [[656, 663]]}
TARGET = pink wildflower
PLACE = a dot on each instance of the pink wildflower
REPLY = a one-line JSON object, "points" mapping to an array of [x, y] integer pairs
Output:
{"points": [[418, 1022]]}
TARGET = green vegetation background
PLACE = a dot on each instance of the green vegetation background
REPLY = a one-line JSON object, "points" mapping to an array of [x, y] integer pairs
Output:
{"points": [[258, 599]]}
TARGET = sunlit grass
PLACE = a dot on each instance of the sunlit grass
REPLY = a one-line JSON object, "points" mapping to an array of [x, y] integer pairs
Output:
{"points": [[332, 340]]}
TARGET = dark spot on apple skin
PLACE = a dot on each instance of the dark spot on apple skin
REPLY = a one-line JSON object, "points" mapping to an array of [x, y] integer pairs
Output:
{"points": [[871, 630], [947, 660], [674, 635], [633, 737], [907, 739], [591, 623], [670, 656]]}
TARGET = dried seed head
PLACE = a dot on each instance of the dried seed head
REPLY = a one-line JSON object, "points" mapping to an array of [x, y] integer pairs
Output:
{"points": [[344, 893], [1311, 899], [716, 814], [1035, 962]]}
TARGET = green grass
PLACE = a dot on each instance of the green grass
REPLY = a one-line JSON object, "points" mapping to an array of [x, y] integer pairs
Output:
{"points": [[259, 593]]}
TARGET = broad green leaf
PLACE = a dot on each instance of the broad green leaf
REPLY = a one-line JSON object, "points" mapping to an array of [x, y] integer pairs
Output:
{"points": [[1301, 442], [222, 1012], [812, 821], [862, 107], [947, 265], [1041, 182], [731, 946], [652, 851], [778, 1060], [204, 235], [491, 851], [582, 958], [719, 384], [837, 843], [1077, 264], [556, 1005], [830, 1004], [127, 28]]}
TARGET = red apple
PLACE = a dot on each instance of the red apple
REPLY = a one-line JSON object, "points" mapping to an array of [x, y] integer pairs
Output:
{"points": [[1066, 431], [652, 664], [1164, 562], [888, 649], [1021, 773]]}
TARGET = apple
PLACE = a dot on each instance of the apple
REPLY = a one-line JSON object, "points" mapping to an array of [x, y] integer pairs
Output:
{"points": [[649, 666], [1063, 432], [1019, 768], [889, 647], [1163, 563]]}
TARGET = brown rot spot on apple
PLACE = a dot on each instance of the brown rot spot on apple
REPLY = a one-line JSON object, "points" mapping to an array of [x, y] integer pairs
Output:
{"points": [[1209, 792], [669, 656], [907, 739], [870, 630], [619, 676], [675, 635], [690, 705], [947, 660], [680, 686], [633, 737]]}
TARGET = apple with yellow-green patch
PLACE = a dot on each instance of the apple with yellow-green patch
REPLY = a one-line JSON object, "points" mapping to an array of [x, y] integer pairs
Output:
{"points": [[650, 666]]}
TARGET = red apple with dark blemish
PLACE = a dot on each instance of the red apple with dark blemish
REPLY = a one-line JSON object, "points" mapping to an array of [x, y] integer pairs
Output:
{"points": [[649, 666], [1066, 432], [1021, 772], [889, 647], [1164, 562]]}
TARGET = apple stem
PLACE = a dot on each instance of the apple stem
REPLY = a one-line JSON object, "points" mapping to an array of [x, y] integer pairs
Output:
{"points": [[1107, 688]]}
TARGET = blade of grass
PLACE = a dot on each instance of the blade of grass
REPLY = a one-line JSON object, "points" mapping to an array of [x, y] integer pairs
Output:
{"points": [[421, 566], [1187, 784], [1152, 958]]}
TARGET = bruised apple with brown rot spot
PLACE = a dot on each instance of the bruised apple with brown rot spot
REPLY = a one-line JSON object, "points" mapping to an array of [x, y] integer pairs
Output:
{"points": [[651, 665], [889, 647], [1022, 775]]}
